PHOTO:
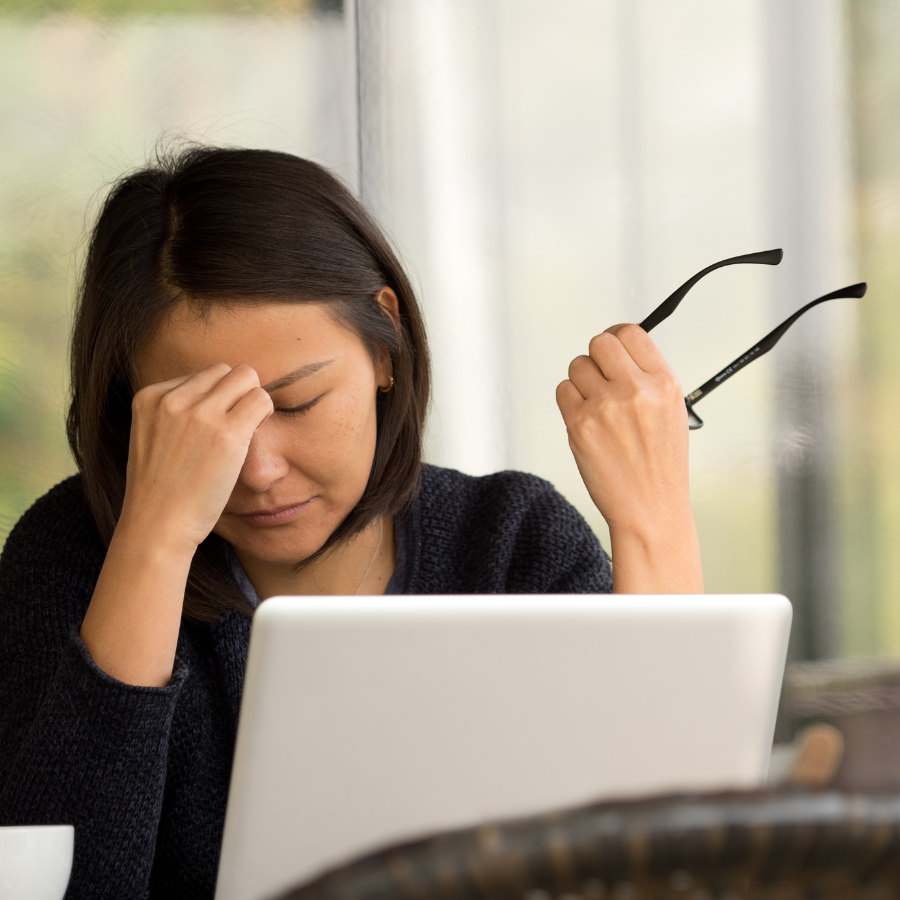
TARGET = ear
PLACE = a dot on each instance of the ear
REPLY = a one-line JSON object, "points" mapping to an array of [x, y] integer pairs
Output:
{"points": [[389, 303], [391, 306]]}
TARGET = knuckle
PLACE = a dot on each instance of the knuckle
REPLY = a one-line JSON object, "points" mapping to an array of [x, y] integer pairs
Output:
{"points": [[645, 394], [141, 400], [589, 429], [667, 388], [630, 330], [564, 399], [246, 373], [583, 421], [262, 397], [171, 403], [598, 341], [591, 413], [672, 384], [203, 414], [646, 404], [578, 365]]}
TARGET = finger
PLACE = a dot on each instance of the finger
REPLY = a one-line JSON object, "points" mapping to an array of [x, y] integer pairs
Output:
{"points": [[640, 347], [567, 397], [232, 387], [586, 376], [252, 409], [195, 384], [612, 358], [162, 387]]}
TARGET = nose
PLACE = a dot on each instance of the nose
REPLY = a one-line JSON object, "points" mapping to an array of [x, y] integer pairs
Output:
{"points": [[265, 464]]}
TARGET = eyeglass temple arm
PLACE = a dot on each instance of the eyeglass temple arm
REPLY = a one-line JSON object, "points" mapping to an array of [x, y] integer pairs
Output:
{"points": [[670, 304], [763, 347]]}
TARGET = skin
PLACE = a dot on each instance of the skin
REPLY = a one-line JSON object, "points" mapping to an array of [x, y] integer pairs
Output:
{"points": [[215, 447], [628, 431]]}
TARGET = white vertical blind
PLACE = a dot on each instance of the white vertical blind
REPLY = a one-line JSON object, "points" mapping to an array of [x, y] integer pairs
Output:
{"points": [[429, 95], [809, 194]]}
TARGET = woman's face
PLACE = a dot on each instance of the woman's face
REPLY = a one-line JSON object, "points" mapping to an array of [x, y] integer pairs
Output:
{"points": [[309, 463]]}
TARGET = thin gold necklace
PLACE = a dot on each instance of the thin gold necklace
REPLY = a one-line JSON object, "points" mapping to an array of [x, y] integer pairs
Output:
{"points": [[372, 560]]}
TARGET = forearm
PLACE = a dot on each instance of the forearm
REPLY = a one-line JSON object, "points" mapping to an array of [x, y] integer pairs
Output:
{"points": [[657, 557], [131, 626]]}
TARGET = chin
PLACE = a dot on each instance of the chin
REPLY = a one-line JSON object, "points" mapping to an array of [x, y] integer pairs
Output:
{"points": [[287, 549]]}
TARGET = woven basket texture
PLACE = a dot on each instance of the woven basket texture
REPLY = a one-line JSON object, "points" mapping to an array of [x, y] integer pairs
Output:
{"points": [[776, 845]]}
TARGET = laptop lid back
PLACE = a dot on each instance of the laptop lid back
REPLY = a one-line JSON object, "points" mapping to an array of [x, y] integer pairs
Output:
{"points": [[369, 720]]}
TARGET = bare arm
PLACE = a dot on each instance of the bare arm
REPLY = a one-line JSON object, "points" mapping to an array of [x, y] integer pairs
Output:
{"points": [[627, 427], [189, 439]]}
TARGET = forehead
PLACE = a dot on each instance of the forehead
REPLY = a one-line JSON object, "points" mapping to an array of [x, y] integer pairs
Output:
{"points": [[273, 338]]}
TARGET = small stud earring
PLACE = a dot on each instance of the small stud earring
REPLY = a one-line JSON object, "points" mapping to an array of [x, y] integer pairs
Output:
{"points": [[385, 390]]}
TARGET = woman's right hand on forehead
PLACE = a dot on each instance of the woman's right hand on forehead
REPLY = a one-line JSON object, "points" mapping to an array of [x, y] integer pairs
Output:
{"points": [[189, 440]]}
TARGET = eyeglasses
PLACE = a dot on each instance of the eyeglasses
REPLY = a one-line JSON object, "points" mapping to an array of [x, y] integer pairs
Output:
{"points": [[766, 258]]}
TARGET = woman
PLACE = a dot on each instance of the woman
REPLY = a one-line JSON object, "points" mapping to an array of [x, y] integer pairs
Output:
{"points": [[249, 382]]}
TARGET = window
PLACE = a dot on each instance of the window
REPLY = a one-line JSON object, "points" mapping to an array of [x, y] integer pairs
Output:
{"points": [[546, 170]]}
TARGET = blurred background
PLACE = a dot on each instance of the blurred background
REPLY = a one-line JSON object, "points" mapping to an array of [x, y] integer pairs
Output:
{"points": [[546, 169]]}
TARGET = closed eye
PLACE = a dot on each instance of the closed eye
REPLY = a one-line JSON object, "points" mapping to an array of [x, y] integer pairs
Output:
{"points": [[299, 410]]}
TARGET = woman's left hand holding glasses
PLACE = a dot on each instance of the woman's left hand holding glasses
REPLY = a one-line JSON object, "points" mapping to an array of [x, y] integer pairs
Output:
{"points": [[627, 426]]}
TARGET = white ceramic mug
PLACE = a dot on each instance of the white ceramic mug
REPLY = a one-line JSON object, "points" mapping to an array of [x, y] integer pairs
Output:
{"points": [[35, 861]]}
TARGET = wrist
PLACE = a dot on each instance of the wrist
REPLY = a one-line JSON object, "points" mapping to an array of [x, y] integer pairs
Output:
{"points": [[657, 523], [132, 622], [152, 540], [658, 555]]}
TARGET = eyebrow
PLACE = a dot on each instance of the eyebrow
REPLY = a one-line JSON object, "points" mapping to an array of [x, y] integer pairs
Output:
{"points": [[296, 375]]}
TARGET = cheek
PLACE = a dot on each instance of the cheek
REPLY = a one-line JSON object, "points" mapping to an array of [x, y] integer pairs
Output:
{"points": [[340, 441]]}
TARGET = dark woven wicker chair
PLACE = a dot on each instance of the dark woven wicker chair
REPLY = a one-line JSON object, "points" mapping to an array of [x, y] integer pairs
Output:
{"points": [[779, 845]]}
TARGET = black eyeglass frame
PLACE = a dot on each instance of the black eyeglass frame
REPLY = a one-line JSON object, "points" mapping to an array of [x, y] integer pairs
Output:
{"points": [[765, 257]]}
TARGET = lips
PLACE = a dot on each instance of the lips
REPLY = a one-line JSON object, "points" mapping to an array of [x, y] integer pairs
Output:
{"points": [[278, 515]]}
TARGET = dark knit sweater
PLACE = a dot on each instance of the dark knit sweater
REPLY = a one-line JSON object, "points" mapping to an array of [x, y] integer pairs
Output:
{"points": [[143, 772]]}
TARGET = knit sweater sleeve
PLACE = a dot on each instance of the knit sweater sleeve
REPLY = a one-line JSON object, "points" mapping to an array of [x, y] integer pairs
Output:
{"points": [[77, 746]]}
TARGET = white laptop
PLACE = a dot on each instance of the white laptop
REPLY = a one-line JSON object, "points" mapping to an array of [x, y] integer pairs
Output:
{"points": [[370, 720]]}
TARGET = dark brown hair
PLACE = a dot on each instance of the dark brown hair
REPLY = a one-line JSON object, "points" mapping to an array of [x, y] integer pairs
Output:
{"points": [[210, 226]]}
